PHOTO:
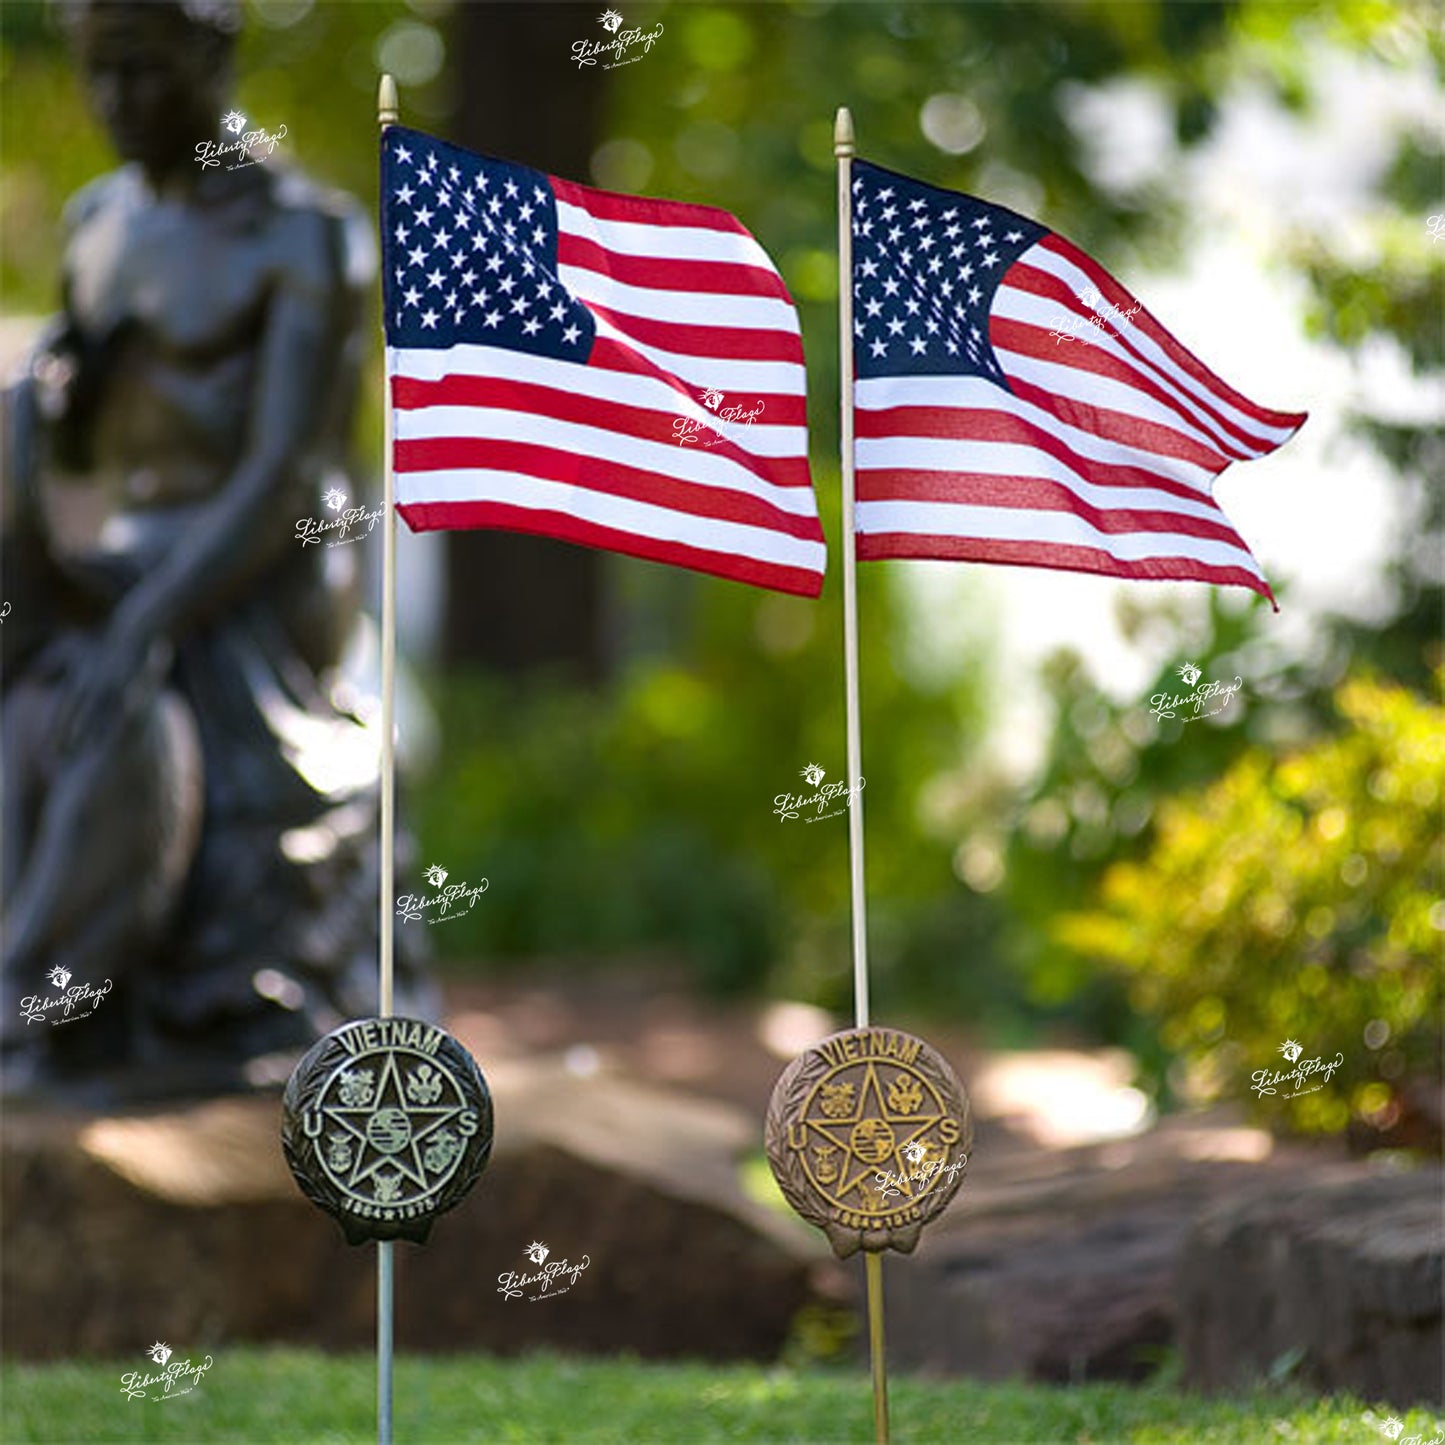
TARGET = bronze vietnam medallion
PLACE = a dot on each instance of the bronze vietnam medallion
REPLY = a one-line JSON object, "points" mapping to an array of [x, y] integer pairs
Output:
{"points": [[868, 1134], [386, 1123]]}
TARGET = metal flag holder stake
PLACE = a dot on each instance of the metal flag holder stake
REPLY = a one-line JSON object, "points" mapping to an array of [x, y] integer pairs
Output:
{"points": [[386, 1121], [868, 1131]]}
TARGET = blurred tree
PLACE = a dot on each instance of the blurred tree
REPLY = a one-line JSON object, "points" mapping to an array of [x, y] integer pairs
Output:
{"points": [[1299, 897]]}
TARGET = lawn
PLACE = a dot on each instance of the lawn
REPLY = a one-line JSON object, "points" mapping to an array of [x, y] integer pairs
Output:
{"points": [[296, 1397]]}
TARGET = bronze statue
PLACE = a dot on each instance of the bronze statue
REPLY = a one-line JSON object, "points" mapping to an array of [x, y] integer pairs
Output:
{"points": [[189, 808]]}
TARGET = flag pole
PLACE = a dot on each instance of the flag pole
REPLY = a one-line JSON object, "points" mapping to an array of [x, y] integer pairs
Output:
{"points": [[843, 146], [386, 114]]}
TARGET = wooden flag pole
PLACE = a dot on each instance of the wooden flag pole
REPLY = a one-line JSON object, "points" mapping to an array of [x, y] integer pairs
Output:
{"points": [[386, 114], [843, 146]]}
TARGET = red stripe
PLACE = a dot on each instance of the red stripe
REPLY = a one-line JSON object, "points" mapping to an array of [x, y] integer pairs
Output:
{"points": [[436, 516], [594, 474], [1025, 494], [1119, 426], [537, 399], [1083, 355], [956, 423], [720, 278], [644, 210], [1061, 557], [1177, 352], [733, 343]]}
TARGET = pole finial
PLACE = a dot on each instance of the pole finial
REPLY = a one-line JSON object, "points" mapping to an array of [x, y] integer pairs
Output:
{"points": [[386, 102], [843, 132]]}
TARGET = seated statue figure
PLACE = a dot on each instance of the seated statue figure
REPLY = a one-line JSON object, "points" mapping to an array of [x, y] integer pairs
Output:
{"points": [[189, 801]]}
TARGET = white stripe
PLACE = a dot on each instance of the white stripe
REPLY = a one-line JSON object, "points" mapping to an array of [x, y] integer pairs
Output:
{"points": [[1053, 316], [1015, 459], [744, 378], [666, 243], [973, 393], [1008, 524], [643, 519], [1078, 279], [760, 437], [703, 465], [697, 308]]}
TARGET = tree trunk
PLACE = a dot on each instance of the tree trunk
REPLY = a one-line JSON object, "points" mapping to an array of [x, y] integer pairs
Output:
{"points": [[516, 603]]}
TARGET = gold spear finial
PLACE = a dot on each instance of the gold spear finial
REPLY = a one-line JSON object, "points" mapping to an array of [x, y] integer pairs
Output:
{"points": [[386, 104], [843, 132]]}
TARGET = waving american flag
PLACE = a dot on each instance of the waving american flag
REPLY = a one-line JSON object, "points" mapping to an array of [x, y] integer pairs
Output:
{"points": [[1014, 403], [549, 348]]}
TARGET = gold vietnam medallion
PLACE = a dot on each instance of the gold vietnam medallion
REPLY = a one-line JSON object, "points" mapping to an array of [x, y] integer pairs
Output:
{"points": [[868, 1133]]}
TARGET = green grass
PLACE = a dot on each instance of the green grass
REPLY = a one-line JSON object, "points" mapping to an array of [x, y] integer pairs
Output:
{"points": [[297, 1397]]}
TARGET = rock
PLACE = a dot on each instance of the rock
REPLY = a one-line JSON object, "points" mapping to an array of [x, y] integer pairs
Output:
{"points": [[1342, 1273], [185, 1225]]}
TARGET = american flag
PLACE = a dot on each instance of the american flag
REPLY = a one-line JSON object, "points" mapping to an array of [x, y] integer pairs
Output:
{"points": [[549, 347], [1016, 404]]}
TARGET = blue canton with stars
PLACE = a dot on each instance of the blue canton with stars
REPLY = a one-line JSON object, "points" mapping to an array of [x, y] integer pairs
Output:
{"points": [[469, 247], [926, 265]]}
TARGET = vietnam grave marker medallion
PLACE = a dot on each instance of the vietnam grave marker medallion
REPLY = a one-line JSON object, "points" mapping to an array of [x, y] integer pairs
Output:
{"points": [[867, 1134], [386, 1123]]}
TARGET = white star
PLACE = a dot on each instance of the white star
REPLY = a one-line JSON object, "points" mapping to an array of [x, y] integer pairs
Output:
{"points": [[931, 326], [511, 190], [890, 286], [950, 213], [538, 193], [405, 194], [917, 203], [874, 306], [906, 257], [531, 326], [965, 272], [925, 243], [493, 317], [435, 278], [545, 289], [412, 296], [895, 327], [455, 174], [429, 318], [418, 255], [1014, 236], [991, 259], [935, 265], [402, 154], [878, 347], [423, 217], [479, 298], [558, 311], [520, 304], [950, 231], [444, 198], [479, 242], [401, 233], [869, 267], [538, 236], [888, 214], [468, 276], [571, 334], [506, 283], [919, 345], [399, 274], [974, 295], [443, 240], [884, 194], [431, 161], [452, 300], [481, 182], [980, 222], [912, 305], [525, 214], [494, 263], [494, 205]]}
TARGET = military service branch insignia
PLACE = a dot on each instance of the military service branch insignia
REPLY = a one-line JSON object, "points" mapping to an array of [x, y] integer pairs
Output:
{"points": [[386, 1123], [867, 1134]]}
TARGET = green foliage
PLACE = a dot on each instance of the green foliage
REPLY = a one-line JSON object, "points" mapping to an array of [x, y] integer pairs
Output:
{"points": [[1297, 897], [644, 818], [305, 1398]]}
